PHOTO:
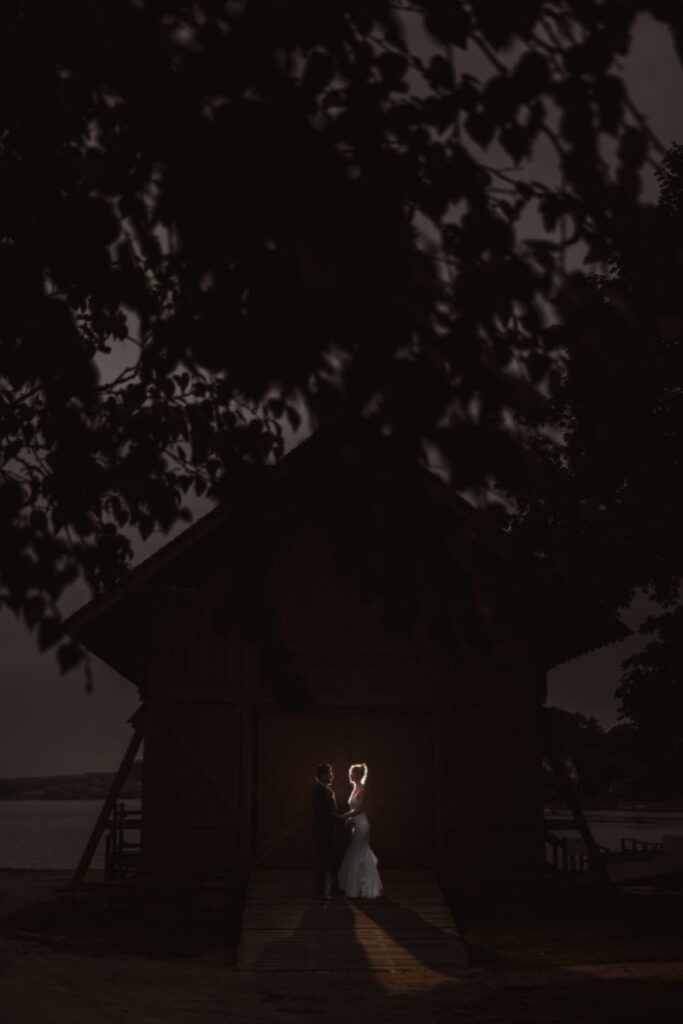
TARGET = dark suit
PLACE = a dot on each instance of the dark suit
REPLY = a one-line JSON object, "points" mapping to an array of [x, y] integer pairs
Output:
{"points": [[324, 821]]}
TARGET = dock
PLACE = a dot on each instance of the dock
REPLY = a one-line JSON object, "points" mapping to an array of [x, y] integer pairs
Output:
{"points": [[407, 928]]}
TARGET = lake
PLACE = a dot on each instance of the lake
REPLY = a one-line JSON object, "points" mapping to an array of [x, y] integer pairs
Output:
{"points": [[610, 827], [44, 834]]}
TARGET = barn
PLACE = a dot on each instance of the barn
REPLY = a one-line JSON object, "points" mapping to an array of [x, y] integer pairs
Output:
{"points": [[345, 605]]}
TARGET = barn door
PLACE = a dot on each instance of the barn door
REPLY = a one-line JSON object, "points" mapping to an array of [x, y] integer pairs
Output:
{"points": [[397, 744], [290, 745], [193, 816], [493, 797]]}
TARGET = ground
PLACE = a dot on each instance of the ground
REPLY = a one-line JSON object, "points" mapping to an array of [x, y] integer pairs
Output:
{"points": [[67, 975]]}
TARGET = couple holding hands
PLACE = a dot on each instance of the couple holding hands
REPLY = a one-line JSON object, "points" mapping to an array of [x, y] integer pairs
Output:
{"points": [[358, 875]]}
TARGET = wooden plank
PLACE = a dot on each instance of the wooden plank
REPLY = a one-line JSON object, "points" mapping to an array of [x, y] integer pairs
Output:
{"points": [[292, 918], [307, 951], [566, 788], [103, 818], [408, 927], [412, 900], [268, 879]]}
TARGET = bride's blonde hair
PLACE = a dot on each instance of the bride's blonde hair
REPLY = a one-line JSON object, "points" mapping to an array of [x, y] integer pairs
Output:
{"points": [[363, 769]]}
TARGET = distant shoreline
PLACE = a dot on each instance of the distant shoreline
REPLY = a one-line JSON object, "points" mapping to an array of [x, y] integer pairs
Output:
{"points": [[24, 798], [86, 786], [626, 807]]}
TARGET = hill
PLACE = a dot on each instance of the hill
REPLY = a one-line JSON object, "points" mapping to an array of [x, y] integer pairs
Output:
{"points": [[87, 786]]}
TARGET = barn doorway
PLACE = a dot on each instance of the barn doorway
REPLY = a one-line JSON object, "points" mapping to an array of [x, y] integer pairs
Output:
{"points": [[396, 743]]}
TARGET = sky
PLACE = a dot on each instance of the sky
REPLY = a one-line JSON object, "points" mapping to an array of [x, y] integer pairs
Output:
{"points": [[50, 725]]}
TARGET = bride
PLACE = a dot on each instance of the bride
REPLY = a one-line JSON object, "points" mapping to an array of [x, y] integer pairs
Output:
{"points": [[358, 874]]}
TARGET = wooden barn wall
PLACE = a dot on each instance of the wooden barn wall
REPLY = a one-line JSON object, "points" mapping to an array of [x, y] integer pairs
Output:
{"points": [[335, 634], [491, 798], [490, 763], [198, 740], [204, 695], [397, 742]]}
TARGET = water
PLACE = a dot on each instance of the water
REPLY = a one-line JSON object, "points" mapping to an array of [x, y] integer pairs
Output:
{"points": [[44, 834], [610, 827], [49, 834]]}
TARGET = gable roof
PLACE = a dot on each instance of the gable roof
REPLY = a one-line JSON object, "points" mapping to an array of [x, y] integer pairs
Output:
{"points": [[113, 625]]}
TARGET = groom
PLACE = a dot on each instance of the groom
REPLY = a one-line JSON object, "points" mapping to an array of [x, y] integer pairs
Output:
{"points": [[325, 817]]}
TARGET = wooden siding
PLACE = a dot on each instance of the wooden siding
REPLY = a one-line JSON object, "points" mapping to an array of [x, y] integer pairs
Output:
{"points": [[196, 807], [453, 742], [397, 745], [492, 804]]}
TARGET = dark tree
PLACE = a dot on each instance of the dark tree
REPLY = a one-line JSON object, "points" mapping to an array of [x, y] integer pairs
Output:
{"points": [[310, 209], [651, 692], [611, 507], [611, 764]]}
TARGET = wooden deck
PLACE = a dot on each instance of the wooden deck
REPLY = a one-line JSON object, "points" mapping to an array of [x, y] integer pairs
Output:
{"points": [[409, 927]]}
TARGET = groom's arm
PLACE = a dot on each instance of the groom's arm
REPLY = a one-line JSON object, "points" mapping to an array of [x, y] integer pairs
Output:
{"points": [[319, 807], [324, 809], [332, 807]]}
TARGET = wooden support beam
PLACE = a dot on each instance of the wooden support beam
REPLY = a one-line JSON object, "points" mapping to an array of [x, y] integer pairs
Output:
{"points": [[137, 721], [595, 859]]}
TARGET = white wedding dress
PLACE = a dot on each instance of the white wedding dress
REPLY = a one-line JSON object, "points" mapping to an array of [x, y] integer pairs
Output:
{"points": [[358, 874]]}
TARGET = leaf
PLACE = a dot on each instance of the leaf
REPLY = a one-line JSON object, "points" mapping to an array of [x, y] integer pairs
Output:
{"points": [[50, 631], [500, 99], [319, 72], [69, 655], [439, 73], [609, 98], [515, 140], [531, 76], [633, 147], [276, 407], [448, 21], [33, 609], [11, 497], [552, 208], [481, 127], [293, 417], [11, 450], [468, 93], [393, 67], [39, 520]]}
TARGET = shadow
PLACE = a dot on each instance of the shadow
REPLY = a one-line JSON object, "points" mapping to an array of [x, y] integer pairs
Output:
{"points": [[556, 928], [502, 990], [172, 925], [425, 942], [322, 938], [536, 991], [552, 997]]}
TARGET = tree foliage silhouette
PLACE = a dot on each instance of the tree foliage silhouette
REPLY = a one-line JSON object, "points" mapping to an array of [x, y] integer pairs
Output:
{"points": [[611, 506], [299, 208]]}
